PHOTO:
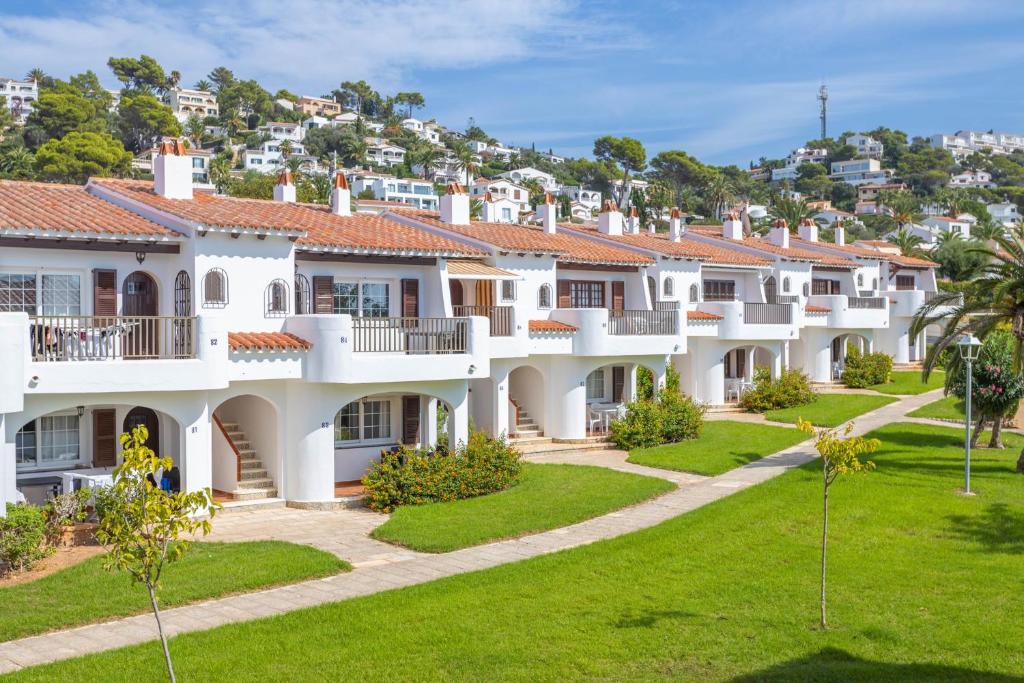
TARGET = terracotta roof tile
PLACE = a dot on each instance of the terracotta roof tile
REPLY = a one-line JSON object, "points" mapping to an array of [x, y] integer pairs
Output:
{"points": [[852, 250], [266, 341], [817, 309], [51, 207], [791, 252], [701, 315], [528, 238], [550, 326], [684, 248]]}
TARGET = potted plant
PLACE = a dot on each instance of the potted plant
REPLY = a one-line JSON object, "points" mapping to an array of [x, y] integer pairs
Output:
{"points": [[65, 514]]}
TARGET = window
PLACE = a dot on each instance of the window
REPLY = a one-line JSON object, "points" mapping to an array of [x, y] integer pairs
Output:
{"points": [[23, 292], [719, 290], [51, 440], [694, 293], [302, 295], [544, 296], [874, 284], [508, 290], [668, 287], [904, 282], [506, 214], [362, 299], [366, 420], [821, 286], [584, 294], [215, 288], [595, 385], [785, 285], [276, 298], [807, 289], [197, 162]]}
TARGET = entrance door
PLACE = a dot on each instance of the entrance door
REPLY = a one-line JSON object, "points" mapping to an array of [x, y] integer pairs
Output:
{"points": [[619, 295], [141, 340], [456, 289], [104, 438], [144, 416], [771, 290]]}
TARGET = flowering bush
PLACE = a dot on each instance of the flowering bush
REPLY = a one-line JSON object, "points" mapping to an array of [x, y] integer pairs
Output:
{"points": [[996, 389], [411, 477]]}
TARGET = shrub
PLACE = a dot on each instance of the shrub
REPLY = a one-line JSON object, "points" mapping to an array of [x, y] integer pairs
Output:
{"points": [[672, 418], [645, 381], [866, 370], [411, 477], [64, 510], [792, 388], [22, 536]]}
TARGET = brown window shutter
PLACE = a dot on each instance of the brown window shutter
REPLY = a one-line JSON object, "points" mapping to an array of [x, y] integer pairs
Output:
{"points": [[618, 295], [564, 298], [104, 292], [104, 438], [741, 363], [323, 294], [728, 364], [618, 382], [410, 419], [410, 298]]}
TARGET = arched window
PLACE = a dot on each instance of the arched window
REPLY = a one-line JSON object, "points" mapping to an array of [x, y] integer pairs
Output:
{"points": [[785, 285], [276, 298], [874, 284], [215, 288], [302, 297], [544, 296], [182, 294], [807, 289], [694, 294], [860, 279], [668, 287]]}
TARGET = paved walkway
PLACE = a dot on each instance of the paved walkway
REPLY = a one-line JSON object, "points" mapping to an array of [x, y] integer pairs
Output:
{"points": [[382, 567]]}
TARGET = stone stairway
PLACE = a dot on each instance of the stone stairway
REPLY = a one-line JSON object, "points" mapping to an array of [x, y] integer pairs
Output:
{"points": [[529, 439], [254, 483], [526, 427]]}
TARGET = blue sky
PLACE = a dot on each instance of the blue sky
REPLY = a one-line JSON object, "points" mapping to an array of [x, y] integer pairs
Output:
{"points": [[728, 81]]}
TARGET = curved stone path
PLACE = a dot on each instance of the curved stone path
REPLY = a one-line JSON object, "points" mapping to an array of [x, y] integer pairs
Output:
{"points": [[380, 567]]}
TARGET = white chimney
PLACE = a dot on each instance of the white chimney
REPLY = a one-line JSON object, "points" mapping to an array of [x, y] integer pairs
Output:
{"points": [[840, 234], [455, 205], [633, 222], [779, 235], [808, 230], [732, 227], [341, 196], [284, 191], [548, 217], [489, 212], [675, 225], [609, 221], [172, 171]]}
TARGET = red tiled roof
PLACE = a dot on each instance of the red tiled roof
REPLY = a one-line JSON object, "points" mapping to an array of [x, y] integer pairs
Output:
{"points": [[908, 261], [684, 248], [550, 326], [51, 207], [266, 341], [817, 309], [790, 252], [528, 238], [701, 315]]}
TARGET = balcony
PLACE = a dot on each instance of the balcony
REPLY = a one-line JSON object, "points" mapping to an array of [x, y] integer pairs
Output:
{"points": [[60, 338], [604, 332], [752, 320], [502, 317], [658, 322], [415, 336], [851, 312], [767, 314]]}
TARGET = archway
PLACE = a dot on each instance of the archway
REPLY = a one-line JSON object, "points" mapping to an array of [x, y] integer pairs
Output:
{"points": [[245, 448], [771, 290], [840, 348], [527, 402], [141, 416], [741, 363]]}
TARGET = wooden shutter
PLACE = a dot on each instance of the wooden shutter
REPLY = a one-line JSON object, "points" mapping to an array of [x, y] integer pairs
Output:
{"points": [[728, 364], [618, 382], [455, 287], [104, 438], [410, 419], [104, 292], [619, 295], [323, 294], [564, 296], [741, 363], [484, 293], [410, 298]]}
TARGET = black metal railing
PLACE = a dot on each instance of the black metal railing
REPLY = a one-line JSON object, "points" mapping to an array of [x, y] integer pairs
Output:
{"points": [[410, 335], [768, 314], [501, 317], [642, 322], [115, 337]]}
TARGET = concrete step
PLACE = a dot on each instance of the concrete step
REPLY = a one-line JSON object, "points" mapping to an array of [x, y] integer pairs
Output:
{"points": [[258, 474], [526, 433], [253, 494], [250, 464], [523, 441], [263, 483], [526, 424], [230, 426], [248, 505], [538, 449]]}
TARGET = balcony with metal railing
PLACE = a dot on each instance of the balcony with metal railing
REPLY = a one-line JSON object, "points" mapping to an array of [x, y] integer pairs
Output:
{"points": [[850, 312], [502, 318], [752, 320], [603, 331], [411, 336], [58, 338], [657, 322]]}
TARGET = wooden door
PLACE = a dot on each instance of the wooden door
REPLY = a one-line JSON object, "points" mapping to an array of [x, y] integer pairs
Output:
{"points": [[139, 299], [619, 295], [410, 298], [144, 416], [410, 420], [455, 287], [618, 382], [564, 294], [104, 438], [771, 290]]}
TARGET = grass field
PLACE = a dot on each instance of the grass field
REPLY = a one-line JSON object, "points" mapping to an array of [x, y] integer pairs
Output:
{"points": [[829, 410], [86, 592], [924, 586], [947, 408], [548, 496], [908, 382], [722, 446]]}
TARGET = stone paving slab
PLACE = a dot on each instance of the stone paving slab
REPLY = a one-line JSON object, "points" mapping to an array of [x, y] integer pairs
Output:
{"points": [[382, 567]]}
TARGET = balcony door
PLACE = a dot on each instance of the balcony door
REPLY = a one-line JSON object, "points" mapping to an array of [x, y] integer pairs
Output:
{"points": [[771, 290], [139, 299], [144, 416], [455, 287]]}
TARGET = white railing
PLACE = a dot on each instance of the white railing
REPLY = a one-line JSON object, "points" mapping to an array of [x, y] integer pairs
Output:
{"points": [[91, 337]]}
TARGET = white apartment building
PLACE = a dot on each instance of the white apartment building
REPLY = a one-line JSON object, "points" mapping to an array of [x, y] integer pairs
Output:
{"points": [[388, 188], [382, 153], [963, 143], [283, 130], [425, 130], [860, 171], [521, 175], [273, 349], [867, 146], [971, 179], [1005, 213], [959, 226], [502, 189], [588, 199], [269, 158], [19, 96], [186, 103], [801, 155]]}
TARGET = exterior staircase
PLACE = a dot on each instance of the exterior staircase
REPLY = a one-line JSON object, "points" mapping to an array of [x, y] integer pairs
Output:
{"points": [[254, 482], [529, 439], [526, 428]]}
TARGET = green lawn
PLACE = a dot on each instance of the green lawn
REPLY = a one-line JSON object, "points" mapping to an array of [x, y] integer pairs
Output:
{"points": [[829, 410], [549, 496], [908, 382], [924, 586], [86, 592], [948, 408], [722, 446]]}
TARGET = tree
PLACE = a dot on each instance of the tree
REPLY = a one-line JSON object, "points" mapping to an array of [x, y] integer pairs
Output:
{"points": [[428, 156], [142, 119], [60, 111], [143, 74], [286, 148], [173, 79], [220, 171], [221, 77], [909, 244], [839, 456], [679, 171], [37, 75], [195, 130], [812, 179], [717, 193], [203, 84], [356, 94], [16, 163], [958, 259], [626, 153], [77, 156], [466, 160], [245, 97], [905, 208], [144, 528], [353, 150], [412, 100], [793, 211]]}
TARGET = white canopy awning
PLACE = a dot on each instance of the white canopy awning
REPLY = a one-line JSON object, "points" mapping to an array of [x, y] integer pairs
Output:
{"points": [[476, 270]]}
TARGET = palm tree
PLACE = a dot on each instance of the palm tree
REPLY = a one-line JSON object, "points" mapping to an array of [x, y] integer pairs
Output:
{"points": [[429, 157], [195, 130], [987, 229], [465, 160], [37, 75], [954, 199], [946, 236], [994, 299], [17, 163], [718, 192], [793, 211], [220, 172], [203, 84], [286, 147], [294, 164], [904, 207], [233, 121], [353, 150], [909, 244], [174, 79]]}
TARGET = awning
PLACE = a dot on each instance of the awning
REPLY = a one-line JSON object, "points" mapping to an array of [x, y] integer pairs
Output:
{"points": [[475, 270]]}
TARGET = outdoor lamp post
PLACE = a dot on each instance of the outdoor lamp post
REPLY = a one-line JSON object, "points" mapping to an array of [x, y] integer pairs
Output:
{"points": [[969, 347]]}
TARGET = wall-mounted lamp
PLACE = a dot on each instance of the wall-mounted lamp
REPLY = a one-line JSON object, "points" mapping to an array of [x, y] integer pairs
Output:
{"points": [[140, 256], [472, 369], [81, 410]]}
